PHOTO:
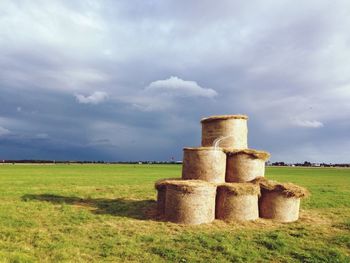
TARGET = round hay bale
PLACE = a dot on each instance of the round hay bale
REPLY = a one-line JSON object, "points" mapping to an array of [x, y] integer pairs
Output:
{"points": [[274, 205], [229, 131], [280, 202], [237, 201], [190, 202], [160, 186], [245, 165], [204, 163]]}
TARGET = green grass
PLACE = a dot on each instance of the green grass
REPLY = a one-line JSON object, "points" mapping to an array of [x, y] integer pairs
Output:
{"points": [[104, 213]]}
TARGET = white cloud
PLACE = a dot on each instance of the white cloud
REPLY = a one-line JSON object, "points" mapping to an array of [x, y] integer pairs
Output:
{"points": [[95, 98], [308, 123], [3, 131], [175, 86], [167, 94]]}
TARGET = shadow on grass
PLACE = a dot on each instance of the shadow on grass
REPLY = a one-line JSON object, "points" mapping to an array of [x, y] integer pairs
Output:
{"points": [[137, 209]]}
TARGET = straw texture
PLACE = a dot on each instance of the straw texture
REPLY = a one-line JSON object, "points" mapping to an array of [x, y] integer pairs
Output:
{"points": [[280, 201], [286, 189], [224, 117], [190, 202], [244, 167], [240, 188], [204, 163], [276, 206], [160, 186], [237, 202], [262, 155], [234, 131]]}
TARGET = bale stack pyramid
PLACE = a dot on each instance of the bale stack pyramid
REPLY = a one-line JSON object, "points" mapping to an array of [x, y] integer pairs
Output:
{"points": [[224, 179]]}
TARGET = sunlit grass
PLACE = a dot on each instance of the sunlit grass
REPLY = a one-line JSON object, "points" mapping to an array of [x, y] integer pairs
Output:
{"points": [[104, 213]]}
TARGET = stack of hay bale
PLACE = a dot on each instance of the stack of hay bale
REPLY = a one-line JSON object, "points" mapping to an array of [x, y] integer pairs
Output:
{"points": [[223, 179]]}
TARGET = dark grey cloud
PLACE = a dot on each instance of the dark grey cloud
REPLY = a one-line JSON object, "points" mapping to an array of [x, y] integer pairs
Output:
{"points": [[78, 79]]}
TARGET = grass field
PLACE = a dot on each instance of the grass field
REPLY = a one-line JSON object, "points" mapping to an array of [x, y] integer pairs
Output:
{"points": [[105, 213]]}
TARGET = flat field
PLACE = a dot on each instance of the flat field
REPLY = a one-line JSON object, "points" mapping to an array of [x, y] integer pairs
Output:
{"points": [[105, 213]]}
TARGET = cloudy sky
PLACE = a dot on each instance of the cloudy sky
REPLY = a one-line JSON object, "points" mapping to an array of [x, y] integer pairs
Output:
{"points": [[130, 80]]}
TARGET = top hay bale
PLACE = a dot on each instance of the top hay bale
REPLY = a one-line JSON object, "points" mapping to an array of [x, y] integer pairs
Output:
{"points": [[228, 131], [224, 117]]}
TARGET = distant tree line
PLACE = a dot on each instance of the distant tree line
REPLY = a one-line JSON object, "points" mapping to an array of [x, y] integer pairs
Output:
{"points": [[309, 164], [88, 162], [304, 164]]}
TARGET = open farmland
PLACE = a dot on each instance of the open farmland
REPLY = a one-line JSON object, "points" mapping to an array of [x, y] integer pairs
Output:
{"points": [[105, 213]]}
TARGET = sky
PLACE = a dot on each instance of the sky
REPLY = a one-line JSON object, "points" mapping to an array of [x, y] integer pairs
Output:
{"points": [[130, 80]]}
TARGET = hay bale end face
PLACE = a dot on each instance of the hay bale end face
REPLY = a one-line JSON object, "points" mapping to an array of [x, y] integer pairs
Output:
{"points": [[274, 205], [245, 165], [190, 202], [204, 163], [232, 129], [280, 201], [160, 186], [237, 201]]}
